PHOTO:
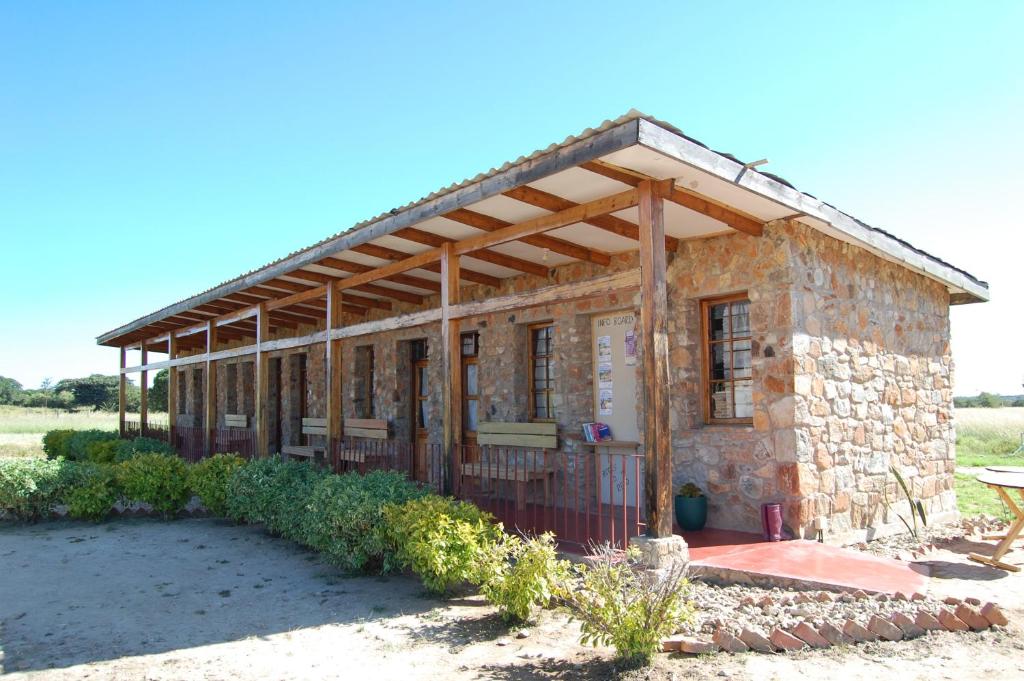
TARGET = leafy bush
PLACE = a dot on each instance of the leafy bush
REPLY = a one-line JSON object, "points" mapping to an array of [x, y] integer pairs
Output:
{"points": [[442, 540], [344, 518], [79, 441], [29, 488], [524, 575], [55, 443], [160, 481], [210, 478], [273, 492], [631, 609], [103, 451], [92, 492]]}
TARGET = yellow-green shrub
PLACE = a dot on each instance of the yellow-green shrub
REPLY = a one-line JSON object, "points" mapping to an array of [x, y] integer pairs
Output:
{"points": [[55, 443], [158, 480], [523, 575], [209, 480], [442, 540], [93, 491]]}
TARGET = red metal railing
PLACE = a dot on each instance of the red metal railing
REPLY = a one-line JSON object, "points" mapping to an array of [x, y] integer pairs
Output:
{"points": [[241, 441], [580, 497], [421, 461], [189, 442], [157, 431], [132, 429]]}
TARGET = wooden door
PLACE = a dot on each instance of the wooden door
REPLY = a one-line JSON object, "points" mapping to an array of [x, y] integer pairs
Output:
{"points": [[421, 413]]}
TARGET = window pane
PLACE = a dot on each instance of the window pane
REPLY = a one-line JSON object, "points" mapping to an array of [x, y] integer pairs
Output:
{"points": [[717, 323], [740, 318], [744, 400], [471, 386], [741, 359], [720, 358], [422, 414], [471, 415], [540, 408], [424, 388], [721, 401]]}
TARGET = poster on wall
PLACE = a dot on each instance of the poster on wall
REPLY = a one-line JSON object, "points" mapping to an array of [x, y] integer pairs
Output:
{"points": [[630, 348], [604, 375], [604, 349], [605, 403]]}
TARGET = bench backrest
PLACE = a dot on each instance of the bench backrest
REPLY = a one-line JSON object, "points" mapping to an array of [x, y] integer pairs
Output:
{"points": [[376, 429], [536, 435], [314, 426], [236, 421]]}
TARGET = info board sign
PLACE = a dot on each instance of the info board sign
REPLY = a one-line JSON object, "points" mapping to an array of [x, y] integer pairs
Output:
{"points": [[614, 353]]}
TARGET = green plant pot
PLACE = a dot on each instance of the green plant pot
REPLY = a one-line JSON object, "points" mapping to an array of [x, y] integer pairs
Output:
{"points": [[691, 513]]}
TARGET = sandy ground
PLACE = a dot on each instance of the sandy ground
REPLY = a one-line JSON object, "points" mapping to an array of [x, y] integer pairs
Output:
{"points": [[203, 599]]}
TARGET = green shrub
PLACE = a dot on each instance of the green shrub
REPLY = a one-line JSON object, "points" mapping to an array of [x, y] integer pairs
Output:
{"points": [[128, 449], [92, 491], [29, 488], [631, 609], [344, 518], [160, 481], [523, 575], [55, 443], [273, 492], [209, 479], [102, 451], [440, 539], [79, 441]]}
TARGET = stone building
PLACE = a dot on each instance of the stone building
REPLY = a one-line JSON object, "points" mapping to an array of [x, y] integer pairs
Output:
{"points": [[731, 330]]}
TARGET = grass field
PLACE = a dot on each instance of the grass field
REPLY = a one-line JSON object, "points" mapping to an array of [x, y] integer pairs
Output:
{"points": [[988, 436], [22, 429]]}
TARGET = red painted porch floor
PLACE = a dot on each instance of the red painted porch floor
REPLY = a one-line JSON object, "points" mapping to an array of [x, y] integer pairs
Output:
{"points": [[805, 561]]}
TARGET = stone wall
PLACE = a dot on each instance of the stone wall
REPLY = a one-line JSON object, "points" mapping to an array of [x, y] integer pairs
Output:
{"points": [[850, 361], [873, 389]]}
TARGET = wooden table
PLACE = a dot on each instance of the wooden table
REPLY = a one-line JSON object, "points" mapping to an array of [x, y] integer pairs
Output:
{"points": [[1002, 482]]}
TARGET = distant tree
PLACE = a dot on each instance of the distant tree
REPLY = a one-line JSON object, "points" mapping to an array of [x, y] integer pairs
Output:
{"points": [[990, 400], [964, 402], [1019, 402], [158, 393], [96, 391], [10, 390]]}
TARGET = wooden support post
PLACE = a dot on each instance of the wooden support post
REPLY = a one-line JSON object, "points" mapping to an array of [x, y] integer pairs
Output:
{"points": [[451, 410], [122, 392], [262, 402], [143, 392], [332, 367], [211, 389], [172, 389], [654, 348]]}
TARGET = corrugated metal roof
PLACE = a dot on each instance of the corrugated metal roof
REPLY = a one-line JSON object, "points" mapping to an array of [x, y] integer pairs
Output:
{"points": [[631, 115]]}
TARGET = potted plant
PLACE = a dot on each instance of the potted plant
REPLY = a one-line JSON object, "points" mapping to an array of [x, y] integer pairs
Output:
{"points": [[691, 507]]}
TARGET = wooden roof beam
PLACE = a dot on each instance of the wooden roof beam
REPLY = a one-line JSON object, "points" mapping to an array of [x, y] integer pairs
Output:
{"points": [[488, 223], [609, 223], [430, 239], [359, 268], [682, 197], [319, 278], [397, 256]]}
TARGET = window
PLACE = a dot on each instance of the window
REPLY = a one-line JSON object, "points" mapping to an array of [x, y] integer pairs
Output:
{"points": [[470, 383], [727, 355], [363, 380], [542, 372], [421, 385], [231, 389]]}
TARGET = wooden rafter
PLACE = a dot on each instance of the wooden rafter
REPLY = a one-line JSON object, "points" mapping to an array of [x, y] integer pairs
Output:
{"points": [[682, 197], [554, 203], [319, 278], [397, 256], [488, 223], [430, 239], [359, 268]]}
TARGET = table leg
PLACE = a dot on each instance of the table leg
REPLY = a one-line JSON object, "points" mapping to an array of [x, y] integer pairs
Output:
{"points": [[1011, 534]]}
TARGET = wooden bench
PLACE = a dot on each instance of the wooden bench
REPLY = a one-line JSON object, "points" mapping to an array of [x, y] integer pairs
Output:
{"points": [[543, 436], [373, 429], [236, 421], [310, 426]]}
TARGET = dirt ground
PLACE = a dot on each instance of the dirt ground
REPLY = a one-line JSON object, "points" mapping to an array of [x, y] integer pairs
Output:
{"points": [[203, 599]]}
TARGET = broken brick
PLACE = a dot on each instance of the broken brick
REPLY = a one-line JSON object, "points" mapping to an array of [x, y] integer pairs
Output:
{"points": [[858, 633], [756, 641], [885, 629], [994, 615], [809, 635], [927, 621], [971, 617], [694, 646], [950, 621], [909, 628], [785, 641], [834, 634], [729, 643]]}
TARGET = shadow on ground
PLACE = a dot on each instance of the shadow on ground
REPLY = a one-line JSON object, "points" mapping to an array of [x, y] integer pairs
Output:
{"points": [[74, 593]]}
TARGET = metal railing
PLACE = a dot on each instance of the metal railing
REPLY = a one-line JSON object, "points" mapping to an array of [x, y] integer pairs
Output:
{"points": [[189, 442], [421, 461], [581, 497], [240, 441]]}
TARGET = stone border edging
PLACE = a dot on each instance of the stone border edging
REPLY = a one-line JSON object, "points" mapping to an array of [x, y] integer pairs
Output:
{"points": [[958, 615]]}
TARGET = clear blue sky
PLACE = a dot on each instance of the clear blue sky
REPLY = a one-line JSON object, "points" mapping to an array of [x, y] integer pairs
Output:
{"points": [[151, 150]]}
